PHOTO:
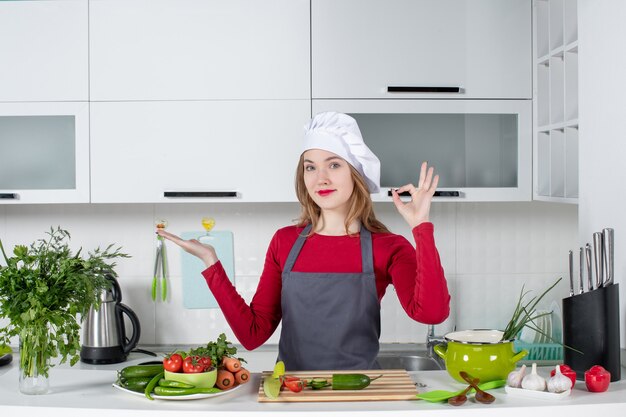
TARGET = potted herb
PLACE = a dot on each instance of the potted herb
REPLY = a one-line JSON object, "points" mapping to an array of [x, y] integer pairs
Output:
{"points": [[44, 289]]}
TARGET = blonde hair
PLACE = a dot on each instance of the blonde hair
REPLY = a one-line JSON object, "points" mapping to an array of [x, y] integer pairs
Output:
{"points": [[360, 204]]}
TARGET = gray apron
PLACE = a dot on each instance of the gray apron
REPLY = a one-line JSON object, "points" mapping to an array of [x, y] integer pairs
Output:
{"points": [[330, 320]]}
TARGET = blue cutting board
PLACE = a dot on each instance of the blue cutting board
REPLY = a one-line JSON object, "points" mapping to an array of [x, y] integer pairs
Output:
{"points": [[196, 293]]}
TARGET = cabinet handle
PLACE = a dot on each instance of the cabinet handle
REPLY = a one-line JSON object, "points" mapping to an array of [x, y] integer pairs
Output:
{"points": [[8, 196], [437, 194], [417, 89], [177, 194]]}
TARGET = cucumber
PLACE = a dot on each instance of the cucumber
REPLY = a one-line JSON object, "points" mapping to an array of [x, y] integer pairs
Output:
{"points": [[135, 384], [140, 371], [170, 391], [351, 381]]}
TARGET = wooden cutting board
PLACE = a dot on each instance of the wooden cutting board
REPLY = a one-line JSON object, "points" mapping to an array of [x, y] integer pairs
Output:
{"points": [[394, 385]]}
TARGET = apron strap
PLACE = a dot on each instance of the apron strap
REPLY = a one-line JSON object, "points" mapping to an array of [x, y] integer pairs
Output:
{"points": [[367, 260], [295, 249]]}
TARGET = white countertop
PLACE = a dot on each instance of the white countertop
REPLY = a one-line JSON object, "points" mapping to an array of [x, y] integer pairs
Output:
{"points": [[86, 390]]}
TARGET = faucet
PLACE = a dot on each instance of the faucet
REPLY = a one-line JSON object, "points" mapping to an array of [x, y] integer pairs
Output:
{"points": [[431, 341]]}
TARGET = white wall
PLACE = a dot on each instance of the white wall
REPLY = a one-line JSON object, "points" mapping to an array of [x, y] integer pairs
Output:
{"points": [[488, 251], [602, 109]]}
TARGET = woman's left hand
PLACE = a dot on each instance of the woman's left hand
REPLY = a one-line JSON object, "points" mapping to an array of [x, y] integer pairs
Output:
{"points": [[417, 210]]}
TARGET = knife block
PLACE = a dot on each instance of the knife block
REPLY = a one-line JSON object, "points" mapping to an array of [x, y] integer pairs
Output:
{"points": [[591, 325]]}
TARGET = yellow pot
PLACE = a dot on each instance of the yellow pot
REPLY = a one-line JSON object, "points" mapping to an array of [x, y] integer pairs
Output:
{"points": [[480, 353]]}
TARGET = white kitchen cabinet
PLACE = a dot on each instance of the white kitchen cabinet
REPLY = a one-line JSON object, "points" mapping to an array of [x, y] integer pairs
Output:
{"points": [[45, 152], [220, 151], [199, 49], [44, 50], [360, 48], [555, 129], [481, 149]]}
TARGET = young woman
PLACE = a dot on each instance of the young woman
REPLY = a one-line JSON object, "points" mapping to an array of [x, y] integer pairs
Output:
{"points": [[325, 277]]}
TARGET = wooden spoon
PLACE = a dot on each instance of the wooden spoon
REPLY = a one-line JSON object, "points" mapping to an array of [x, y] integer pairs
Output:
{"points": [[461, 398], [481, 396]]}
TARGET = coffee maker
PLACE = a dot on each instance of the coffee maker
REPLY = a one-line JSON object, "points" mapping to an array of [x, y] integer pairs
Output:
{"points": [[104, 335]]}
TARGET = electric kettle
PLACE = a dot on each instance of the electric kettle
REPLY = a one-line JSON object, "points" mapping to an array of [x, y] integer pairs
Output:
{"points": [[104, 336]]}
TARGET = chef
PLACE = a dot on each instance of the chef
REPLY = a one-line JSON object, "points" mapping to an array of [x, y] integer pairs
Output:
{"points": [[325, 276]]}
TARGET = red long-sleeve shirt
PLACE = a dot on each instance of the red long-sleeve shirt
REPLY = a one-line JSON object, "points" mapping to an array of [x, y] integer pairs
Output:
{"points": [[416, 274]]}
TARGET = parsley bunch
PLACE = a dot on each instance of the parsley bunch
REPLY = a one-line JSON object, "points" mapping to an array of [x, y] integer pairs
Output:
{"points": [[44, 288]]}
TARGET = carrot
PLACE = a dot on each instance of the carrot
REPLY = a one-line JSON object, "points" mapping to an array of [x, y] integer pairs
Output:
{"points": [[231, 364], [225, 379], [242, 376]]}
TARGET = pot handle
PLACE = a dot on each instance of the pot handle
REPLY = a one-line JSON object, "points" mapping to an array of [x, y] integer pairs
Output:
{"points": [[134, 320], [519, 355], [441, 350]]}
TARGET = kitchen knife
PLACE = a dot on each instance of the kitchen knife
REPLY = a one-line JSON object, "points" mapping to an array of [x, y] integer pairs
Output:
{"points": [[571, 273], [589, 268], [608, 242], [598, 255], [581, 269]]}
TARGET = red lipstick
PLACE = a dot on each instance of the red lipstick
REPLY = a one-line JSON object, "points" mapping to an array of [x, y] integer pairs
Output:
{"points": [[324, 193]]}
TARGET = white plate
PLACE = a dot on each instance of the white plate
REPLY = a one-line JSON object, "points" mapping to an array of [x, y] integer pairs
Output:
{"points": [[178, 397], [540, 395]]}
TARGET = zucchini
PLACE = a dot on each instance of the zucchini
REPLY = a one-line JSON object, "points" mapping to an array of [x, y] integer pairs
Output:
{"points": [[140, 371], [351, 381]]}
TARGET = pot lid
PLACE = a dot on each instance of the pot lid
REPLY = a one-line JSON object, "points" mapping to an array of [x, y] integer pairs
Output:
{"points": [[478, 336]]}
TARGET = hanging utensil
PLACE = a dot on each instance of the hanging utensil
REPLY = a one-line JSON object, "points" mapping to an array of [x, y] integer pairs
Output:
{"points": [[160, 263], [608, 242]]}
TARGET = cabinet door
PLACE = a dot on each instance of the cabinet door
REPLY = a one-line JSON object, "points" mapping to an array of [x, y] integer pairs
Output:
{"points": [[481, 149], [362, 47], [45, 153], [43, 49], [142, 150], [199, 49]]}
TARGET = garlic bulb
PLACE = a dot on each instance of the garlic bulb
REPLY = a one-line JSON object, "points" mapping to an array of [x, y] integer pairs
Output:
{"points": [[534, 381], [515, 377], [559, 382]]}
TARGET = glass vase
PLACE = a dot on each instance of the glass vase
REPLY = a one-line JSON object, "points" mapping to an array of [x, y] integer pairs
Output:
{"points": [[34, 363]]}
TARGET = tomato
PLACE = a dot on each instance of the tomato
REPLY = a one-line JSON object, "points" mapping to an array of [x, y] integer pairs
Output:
{"points": [[173, 362], [597, 379], [568, 372], [205, 361], [192, 365], [293, 384]]}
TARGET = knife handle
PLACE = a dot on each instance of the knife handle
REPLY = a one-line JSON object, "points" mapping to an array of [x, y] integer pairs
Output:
{"points": [[589, 267], [609, 260], [571, 273], [581, 269], [598, 258]]}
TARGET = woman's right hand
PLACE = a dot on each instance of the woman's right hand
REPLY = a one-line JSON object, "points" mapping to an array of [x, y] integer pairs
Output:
{"points": [[205, 252]]}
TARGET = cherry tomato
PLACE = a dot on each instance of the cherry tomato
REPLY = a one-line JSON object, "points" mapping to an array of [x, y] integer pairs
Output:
{"points": [[173, 362], [597, 379], [192, 365], [568, 372]]}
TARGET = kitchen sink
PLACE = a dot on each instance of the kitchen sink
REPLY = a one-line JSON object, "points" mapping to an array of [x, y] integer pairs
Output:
{"points": [[408, 362]]}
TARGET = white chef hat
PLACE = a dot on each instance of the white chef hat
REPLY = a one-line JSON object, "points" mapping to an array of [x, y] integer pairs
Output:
{"points": [[339, 133]]}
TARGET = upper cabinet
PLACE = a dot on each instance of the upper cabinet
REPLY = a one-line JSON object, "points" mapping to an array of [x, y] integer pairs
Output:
{"points": [[556, 101], [460, 49], [196, 151], [45, 152], [199, 49], [44, 50]]}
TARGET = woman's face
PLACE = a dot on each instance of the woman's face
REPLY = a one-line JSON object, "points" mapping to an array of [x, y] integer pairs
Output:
{"points": [[328, 179]]}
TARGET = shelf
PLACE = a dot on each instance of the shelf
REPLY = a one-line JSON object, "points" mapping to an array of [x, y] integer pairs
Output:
{"points": [[556, 101]]}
